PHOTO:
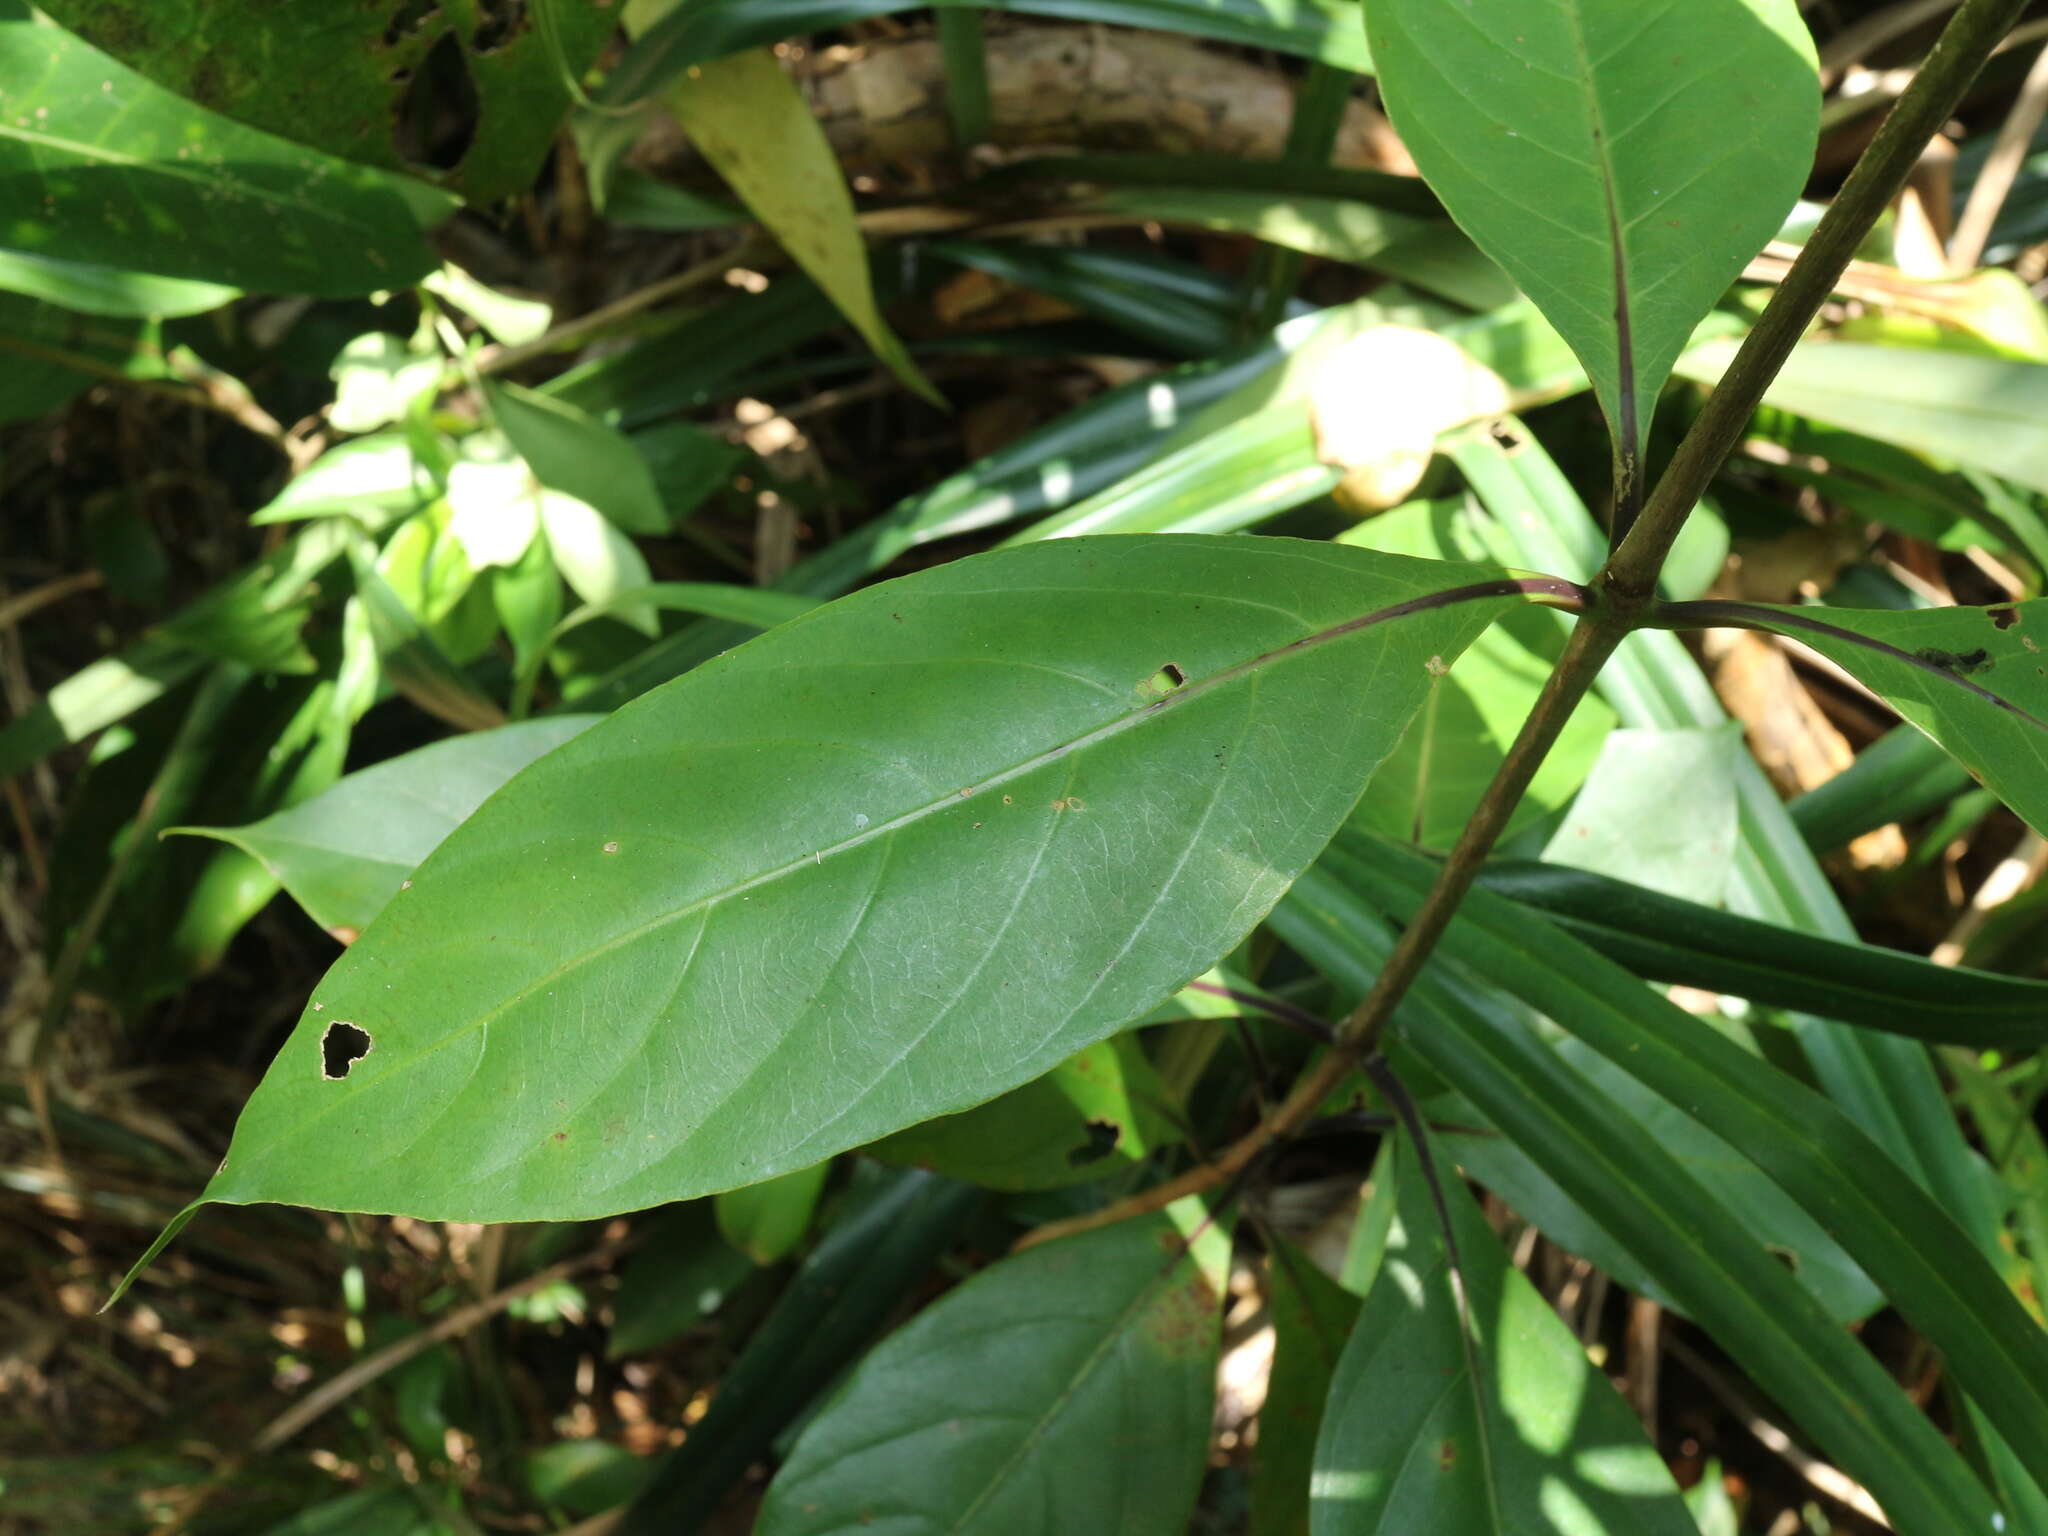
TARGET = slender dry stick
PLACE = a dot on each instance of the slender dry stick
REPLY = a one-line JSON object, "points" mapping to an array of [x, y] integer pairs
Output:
{"points": [[340, 1388], [2001, 169], [1853, 44], [584, 327], [1625, 587]]}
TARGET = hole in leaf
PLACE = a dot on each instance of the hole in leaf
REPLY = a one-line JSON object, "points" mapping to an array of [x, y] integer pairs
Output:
{"points": [[2005, 618], [1102, 1140], [1168, 679], [497, 22], [434, 123], [341, 1048], [408, 18]]}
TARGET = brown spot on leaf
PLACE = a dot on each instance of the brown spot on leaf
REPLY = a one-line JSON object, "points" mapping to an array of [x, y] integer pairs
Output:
{"points": [[1103, 1135], [1447, 1455], [2004, 618], [408, 18], [1184, 1320], [498, 22], [1961, 663]]}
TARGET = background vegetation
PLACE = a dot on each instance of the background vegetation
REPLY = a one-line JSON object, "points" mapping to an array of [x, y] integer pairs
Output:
{"points": [[373, 425]]}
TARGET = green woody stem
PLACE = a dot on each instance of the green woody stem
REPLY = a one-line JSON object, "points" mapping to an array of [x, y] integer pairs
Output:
{"points": [[1625, 589]]}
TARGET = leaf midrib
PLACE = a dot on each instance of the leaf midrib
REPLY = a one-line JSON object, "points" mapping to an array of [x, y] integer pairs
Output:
{"points": [[1627, 427]]}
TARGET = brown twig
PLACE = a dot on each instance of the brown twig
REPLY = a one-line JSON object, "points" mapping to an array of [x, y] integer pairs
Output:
{"points": [[571, 333], [14, 609], [340, 1388]]}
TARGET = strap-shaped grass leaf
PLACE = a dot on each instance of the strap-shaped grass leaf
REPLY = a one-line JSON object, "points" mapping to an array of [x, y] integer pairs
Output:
{"points": [[1665, 939], [339, 77], [1962, 407], [1622, 159], [99, 164], [1312, 1318], [1700, 1250], [1905, 1241], [1621, 825], [1507, 1428], [881, 864], [1975, 679], [1887, 1083], [1773, 1219], [971, 1419]]}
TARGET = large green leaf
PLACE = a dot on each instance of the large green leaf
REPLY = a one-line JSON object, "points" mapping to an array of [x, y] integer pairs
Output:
{"points": [[344, 853], [989, 1413], [1621, 160], [338, 77], [1464, 1405], [1015, 801], [101, 166], [1699, 1249], [1975, 679]]}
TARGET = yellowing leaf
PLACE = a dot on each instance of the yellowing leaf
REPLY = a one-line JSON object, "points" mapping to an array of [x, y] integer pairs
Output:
{"points": [[749, 120]]}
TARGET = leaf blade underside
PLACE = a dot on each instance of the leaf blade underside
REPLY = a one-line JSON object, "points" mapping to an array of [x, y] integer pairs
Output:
{"points": [[881, 864]]}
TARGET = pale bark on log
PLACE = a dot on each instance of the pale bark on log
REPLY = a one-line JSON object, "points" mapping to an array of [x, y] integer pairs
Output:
{"points": [[1055, 87]]}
